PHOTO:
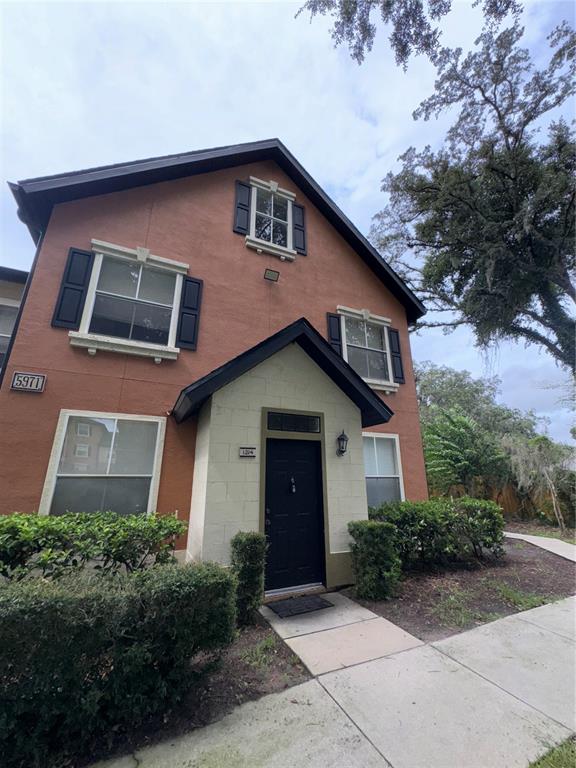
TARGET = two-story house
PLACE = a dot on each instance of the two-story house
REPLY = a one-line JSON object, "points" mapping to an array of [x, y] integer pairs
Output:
{"points": [[220, 342]]}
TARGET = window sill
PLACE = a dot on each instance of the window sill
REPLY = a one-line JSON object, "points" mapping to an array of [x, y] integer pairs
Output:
{"points": [[261, 246], [93, 343], [388, 387]]}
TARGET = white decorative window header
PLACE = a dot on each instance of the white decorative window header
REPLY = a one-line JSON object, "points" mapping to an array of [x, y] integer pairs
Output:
{"points": [[272, 186], [140, 254]]}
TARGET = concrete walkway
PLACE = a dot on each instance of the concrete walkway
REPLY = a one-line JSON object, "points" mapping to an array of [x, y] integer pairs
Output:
{"points": [[498, 696], [556, 546]]}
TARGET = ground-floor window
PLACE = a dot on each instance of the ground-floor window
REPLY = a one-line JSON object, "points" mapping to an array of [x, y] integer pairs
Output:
{"points": [[119, 464], [383, 469]]}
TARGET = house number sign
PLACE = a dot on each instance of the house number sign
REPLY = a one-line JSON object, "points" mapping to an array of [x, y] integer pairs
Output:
{"points": [[246, 452], [28, 382]]}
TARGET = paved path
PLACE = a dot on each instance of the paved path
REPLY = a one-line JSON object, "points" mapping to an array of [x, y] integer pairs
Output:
{"points": [[497, 696], [556, 546]]}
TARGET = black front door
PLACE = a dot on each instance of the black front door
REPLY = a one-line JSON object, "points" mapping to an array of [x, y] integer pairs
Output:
{"points": [[294, 515]]}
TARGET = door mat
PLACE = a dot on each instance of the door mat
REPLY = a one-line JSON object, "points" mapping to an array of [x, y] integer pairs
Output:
{"points": [[295, 605]]}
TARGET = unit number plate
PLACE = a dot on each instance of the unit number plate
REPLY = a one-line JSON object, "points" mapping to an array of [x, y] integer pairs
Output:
{"points": [[28, 382]]}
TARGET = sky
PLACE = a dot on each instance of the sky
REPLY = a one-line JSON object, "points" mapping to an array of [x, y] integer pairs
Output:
{"points": [[87, 84]]}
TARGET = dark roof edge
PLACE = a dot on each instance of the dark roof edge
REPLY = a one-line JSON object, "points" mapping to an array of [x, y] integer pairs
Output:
{"points": [[11, 275], [374, 410], [35, 197]]}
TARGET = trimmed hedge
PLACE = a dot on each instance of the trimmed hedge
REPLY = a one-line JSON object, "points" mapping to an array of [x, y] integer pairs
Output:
{"points": [[375, 558], [439, 531], [82, 658], [248, 563], [51, 546]]}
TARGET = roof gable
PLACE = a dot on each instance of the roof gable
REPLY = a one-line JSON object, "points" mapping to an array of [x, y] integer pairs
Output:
{"points": [[373, 409], [36, 197]]}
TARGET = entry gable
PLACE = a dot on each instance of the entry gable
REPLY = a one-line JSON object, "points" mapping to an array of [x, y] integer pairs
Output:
{"points": [[372, 408]]}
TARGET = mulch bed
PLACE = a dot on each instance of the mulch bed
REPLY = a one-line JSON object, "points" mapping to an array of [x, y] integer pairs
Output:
{"points": [[433, 606], [257, 663]]}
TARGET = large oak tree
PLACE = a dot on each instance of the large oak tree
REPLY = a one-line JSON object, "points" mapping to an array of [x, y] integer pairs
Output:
{"points": [[483, 229]]}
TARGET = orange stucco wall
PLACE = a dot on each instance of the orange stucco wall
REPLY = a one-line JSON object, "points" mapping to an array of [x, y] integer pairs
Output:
{"points": [[189, 220]]}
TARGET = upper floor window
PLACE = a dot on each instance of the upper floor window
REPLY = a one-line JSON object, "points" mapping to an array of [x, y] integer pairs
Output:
{"points": [[120, 465], [133, 301], [8, 314], [366, 347], [271, 218]]}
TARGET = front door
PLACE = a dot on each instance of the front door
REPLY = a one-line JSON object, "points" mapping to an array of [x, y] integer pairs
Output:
{"points": [[294, 515]]}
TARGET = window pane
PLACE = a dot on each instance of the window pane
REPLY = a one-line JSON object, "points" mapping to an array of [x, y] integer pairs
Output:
{"points": [[151, 323], [357, 358], [263, 227], [280, 234], [7, 319], [377, 366], [118, 277], [264, 201], [99, 442], [375, 335], [124, 495], [3, 347], [386, 456], [157, 286], [369, 456], [134, 448], [355, 333], [112, 317], [381, 489], [280, 208]]}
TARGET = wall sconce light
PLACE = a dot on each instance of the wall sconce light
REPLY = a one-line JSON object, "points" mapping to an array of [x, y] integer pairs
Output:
{"points": [[272, 275], [342, 441]]}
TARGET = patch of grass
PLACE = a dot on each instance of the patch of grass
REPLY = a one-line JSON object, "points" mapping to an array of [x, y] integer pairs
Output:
{"points": [[260, 655], [453, 609], [522, 601], [563, 756]]}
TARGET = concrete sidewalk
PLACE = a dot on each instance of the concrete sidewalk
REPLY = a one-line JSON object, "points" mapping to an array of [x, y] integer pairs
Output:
{"points": [[497, 696], [556, 546]]}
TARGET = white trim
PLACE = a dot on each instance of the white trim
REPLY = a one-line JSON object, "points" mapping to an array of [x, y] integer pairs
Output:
{"points": [[388, 387], [58, 444], [271, 186], [94, 342], [396, 439], [139, 254], [9, 302], [263, 246]]}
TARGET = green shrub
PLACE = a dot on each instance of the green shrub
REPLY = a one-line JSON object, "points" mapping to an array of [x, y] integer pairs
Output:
{"points": [[51, 546], [248, 563], [82, 658], [375, 558], [440, 531], [480, 525]]}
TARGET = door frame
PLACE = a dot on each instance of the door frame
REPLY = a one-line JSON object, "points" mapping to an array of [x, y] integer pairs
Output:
{"points": [[319, 437]]}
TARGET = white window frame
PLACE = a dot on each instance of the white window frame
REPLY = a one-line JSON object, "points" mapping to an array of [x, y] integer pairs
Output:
{"points": [[79, 432], [9, 303], [264, 246], [93, 341], [58, 444], [84, 453], [396, 439], [389, 386]]}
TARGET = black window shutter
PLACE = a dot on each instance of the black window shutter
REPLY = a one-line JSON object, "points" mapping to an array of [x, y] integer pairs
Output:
{"points": [[242, 208], [335, 332], [189, 316], [396, 355], [298, 229], [73, 289]]}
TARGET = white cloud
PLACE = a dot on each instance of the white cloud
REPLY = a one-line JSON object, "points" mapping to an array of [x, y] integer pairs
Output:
{"points": [[89, 84]]}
